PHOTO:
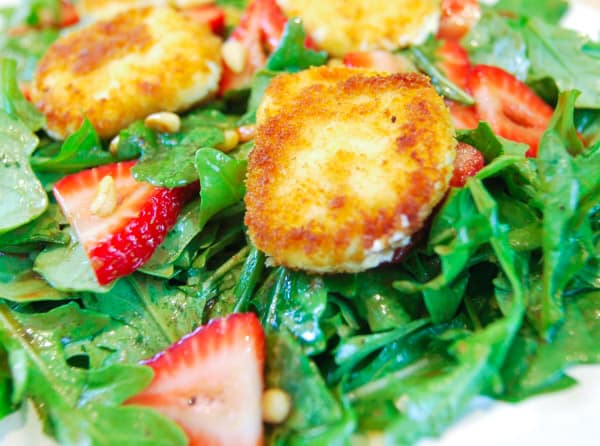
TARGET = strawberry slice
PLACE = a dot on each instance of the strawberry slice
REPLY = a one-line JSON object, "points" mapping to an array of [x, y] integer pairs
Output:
{"points": [[119, 241], [209, 14], [211, 382], [259, 32], [458, 17], [454, 62], [379, 60], [468, 162], [464, 117], [512, 109]]}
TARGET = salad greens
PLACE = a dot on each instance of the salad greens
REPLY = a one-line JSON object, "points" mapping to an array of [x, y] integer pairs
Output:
{"points": [[499, 299]]}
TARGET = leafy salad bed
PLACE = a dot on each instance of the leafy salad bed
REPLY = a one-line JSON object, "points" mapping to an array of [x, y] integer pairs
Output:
{"points": [[499, 299]]}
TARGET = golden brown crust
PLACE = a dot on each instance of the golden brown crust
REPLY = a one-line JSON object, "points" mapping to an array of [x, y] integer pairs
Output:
{"points": [[116, 71], [341, 26], [347, 163]]}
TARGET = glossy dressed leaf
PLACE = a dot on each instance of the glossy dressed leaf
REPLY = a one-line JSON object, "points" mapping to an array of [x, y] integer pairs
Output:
{"points": [[23, 198], [146, 316], [173, 165], [569, 190], [185, 230], [81, 150], [289, 369], [44, 229], [67, 268], [221, 182], [557, 53], [81, 405], [12, 100], [27, 49], [18, 282], [534, 366], [295, 301], [493, 41]]}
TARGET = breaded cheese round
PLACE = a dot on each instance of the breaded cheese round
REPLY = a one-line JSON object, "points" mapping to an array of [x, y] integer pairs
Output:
{"points": [[341, 26], [105, 9], [116, 71], [347, 165]]}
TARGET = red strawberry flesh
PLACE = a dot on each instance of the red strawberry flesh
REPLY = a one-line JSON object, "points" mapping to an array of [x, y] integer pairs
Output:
{"points": [[511, 108], [468, 162], [119, 243], [210, 382]]}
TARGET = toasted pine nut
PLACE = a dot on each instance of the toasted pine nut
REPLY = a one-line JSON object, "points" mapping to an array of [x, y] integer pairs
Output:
{"points": [[105, 202], [231, 141], [167, 122], [113, 147], [277, 405], [246, 132], [234, 55]]}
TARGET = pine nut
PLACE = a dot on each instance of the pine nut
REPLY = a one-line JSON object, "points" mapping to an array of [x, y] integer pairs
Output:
{"points": [[234, 55], [105, 202], [277, 405], [166, 122]]}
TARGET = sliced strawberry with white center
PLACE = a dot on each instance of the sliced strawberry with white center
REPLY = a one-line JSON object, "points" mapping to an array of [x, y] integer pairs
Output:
{"points": [[120, 240], [211, 382], [458, 17], [512, 109], [454, 62], [463, 116], [468, 162], [379, 60], [258, 34]]}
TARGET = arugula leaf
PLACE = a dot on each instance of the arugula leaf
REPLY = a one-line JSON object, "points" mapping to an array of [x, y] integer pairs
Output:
{"points": [[23, 198], [493, 41], [557, 53], [81, 405], [12, 99], [291, 54], [221, 182], [67, 268], [534, 366], [489, 144], [549, 10], [173, 165], [569, 189], [81, 150], [426, 404], [563, 121]]}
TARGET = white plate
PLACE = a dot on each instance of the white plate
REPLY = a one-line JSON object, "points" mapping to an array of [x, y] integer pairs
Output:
{"points": [[570, 417]]}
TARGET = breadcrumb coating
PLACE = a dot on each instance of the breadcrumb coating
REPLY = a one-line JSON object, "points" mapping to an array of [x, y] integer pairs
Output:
{"points": [[116, 71], [341, 26], [347, 165]]}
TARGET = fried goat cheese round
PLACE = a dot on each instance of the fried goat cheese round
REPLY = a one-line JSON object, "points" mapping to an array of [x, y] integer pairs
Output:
{"points": [[104, 9], [341, 26], [120, 70], [347, 165]]}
